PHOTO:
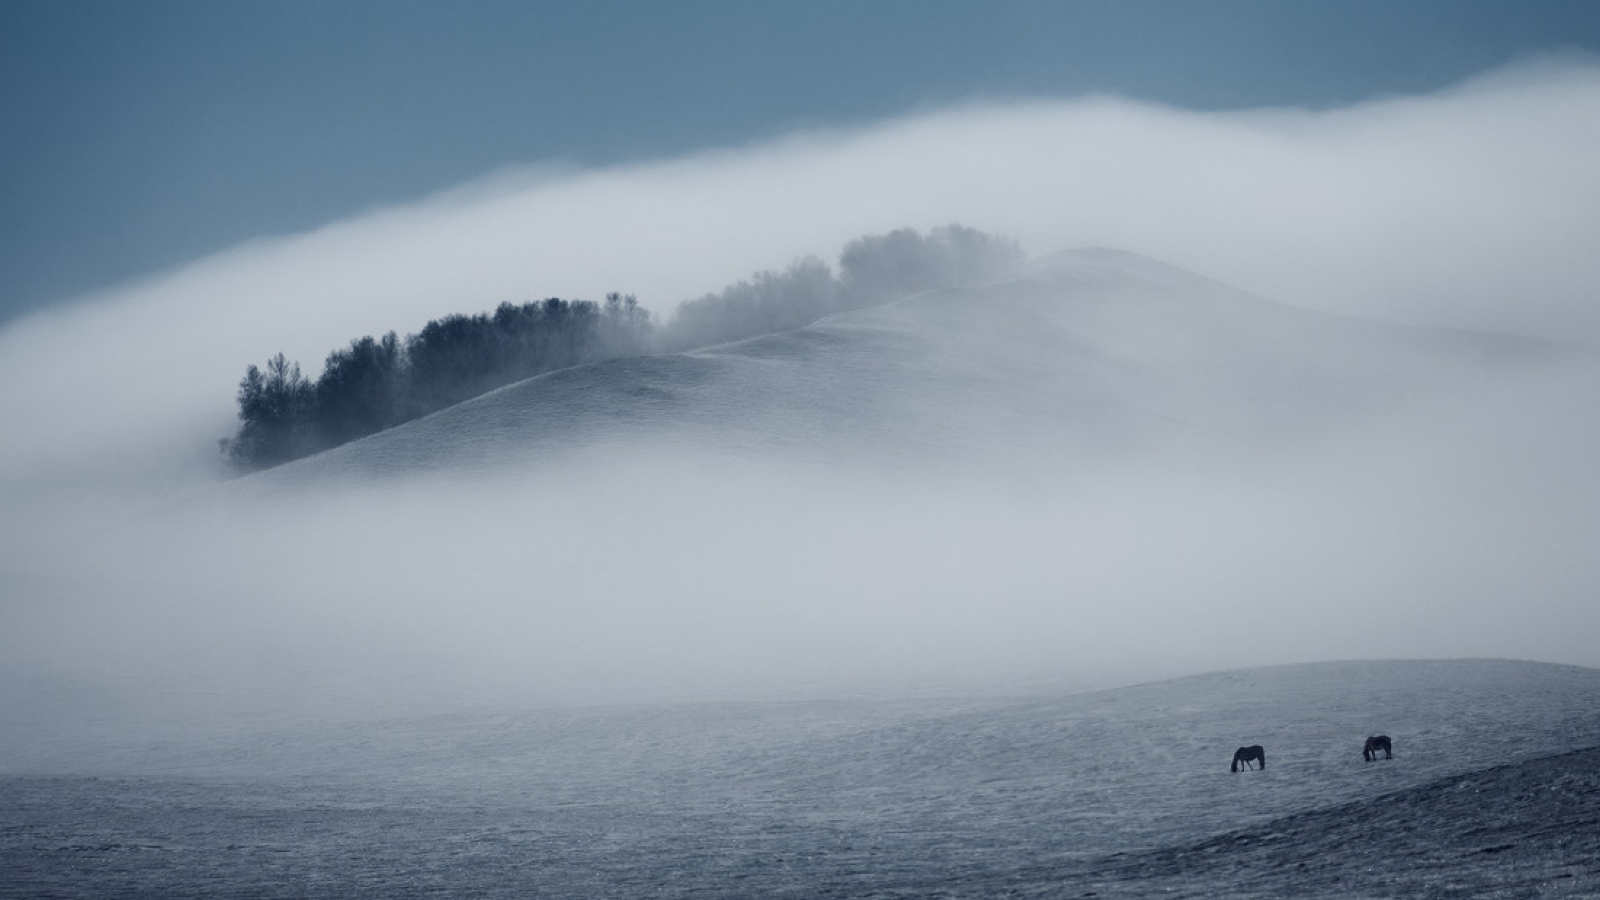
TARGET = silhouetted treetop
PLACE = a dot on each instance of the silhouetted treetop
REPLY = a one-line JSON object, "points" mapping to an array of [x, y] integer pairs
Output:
{"points": [[378, 383], [872, 270], [275, 409], [374, 384]]}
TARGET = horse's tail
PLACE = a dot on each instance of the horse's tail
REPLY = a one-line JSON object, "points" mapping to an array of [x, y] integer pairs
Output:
{"points": [[1261, 756]]}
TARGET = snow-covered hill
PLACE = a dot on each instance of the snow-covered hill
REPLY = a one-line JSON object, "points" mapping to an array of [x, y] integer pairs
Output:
{"points": [[1090, 352], [1125, 792]]}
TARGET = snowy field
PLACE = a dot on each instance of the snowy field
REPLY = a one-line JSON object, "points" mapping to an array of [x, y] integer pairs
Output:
{"points": [[1494, 790], [815, 614]]}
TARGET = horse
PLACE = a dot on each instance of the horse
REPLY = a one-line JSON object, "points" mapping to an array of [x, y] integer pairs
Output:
{"points": [[1369, 751], [1246, 754]]}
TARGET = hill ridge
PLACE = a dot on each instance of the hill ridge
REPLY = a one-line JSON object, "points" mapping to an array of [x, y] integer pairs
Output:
{"points": [[1096, 360]]}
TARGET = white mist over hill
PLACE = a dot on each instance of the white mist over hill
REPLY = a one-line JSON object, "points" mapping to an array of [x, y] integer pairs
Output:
{"points": [[1099, 467], [1102, 464], [1475, 207], [471, 652]]}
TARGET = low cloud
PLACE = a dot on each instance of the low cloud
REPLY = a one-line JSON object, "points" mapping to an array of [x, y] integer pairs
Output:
{"points": [[1476, 207]]}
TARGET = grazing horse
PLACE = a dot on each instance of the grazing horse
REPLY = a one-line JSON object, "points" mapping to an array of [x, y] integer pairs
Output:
{"points": [[1369, 751], [1246, 754]]}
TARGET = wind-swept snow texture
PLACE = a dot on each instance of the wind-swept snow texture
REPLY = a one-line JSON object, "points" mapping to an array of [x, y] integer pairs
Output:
{"points": [[1122, 792]]}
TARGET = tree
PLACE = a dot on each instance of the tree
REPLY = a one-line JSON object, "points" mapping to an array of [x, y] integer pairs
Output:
{"points": [[879, 267], [376, 384], [625, 326], [359, 391], [274, 409], [765, 303]]}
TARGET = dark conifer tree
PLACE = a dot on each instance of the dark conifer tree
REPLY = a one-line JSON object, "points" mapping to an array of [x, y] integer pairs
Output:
{"points": [[275, 414], [359, 391], [376, 384]]}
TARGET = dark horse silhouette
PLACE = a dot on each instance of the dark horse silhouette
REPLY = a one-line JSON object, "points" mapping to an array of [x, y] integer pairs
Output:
{"points": [[1246, 754], [1369, 751]]}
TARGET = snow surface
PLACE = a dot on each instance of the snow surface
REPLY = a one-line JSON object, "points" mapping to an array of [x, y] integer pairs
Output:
{"points": [[472, 655], [1121, 792]]}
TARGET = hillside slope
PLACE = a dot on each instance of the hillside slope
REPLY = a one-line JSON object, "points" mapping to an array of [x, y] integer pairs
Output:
{"points": [[1525, 829], [1091, 353], [1125, 792]]}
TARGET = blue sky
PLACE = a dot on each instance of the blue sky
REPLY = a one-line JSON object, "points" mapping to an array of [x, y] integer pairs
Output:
{"points": [[135, 137]]}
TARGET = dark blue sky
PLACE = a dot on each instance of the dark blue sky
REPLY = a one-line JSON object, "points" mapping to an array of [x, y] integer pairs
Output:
{"points": [[137, 136]]}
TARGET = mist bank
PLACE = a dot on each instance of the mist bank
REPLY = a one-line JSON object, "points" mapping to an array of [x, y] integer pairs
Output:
{"points": [[636, 580], [1147, 478], [1471, 207], [409, 623], [1102, 468]]}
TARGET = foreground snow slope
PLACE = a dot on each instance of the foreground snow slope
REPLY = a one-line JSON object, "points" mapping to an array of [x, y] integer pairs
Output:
{"points": [[1523, 829], [1124, 791]]}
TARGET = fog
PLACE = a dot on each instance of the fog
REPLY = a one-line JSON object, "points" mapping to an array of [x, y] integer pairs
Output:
{"points": [[669, 575], [667, 570]]}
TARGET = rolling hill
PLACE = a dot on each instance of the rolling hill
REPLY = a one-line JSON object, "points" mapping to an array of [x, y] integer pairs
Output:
{"points": [[1120, 792], [1089, 353]]}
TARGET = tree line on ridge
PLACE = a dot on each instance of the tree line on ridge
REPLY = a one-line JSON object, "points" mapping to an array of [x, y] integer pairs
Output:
{"points": [[378, 383]]}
